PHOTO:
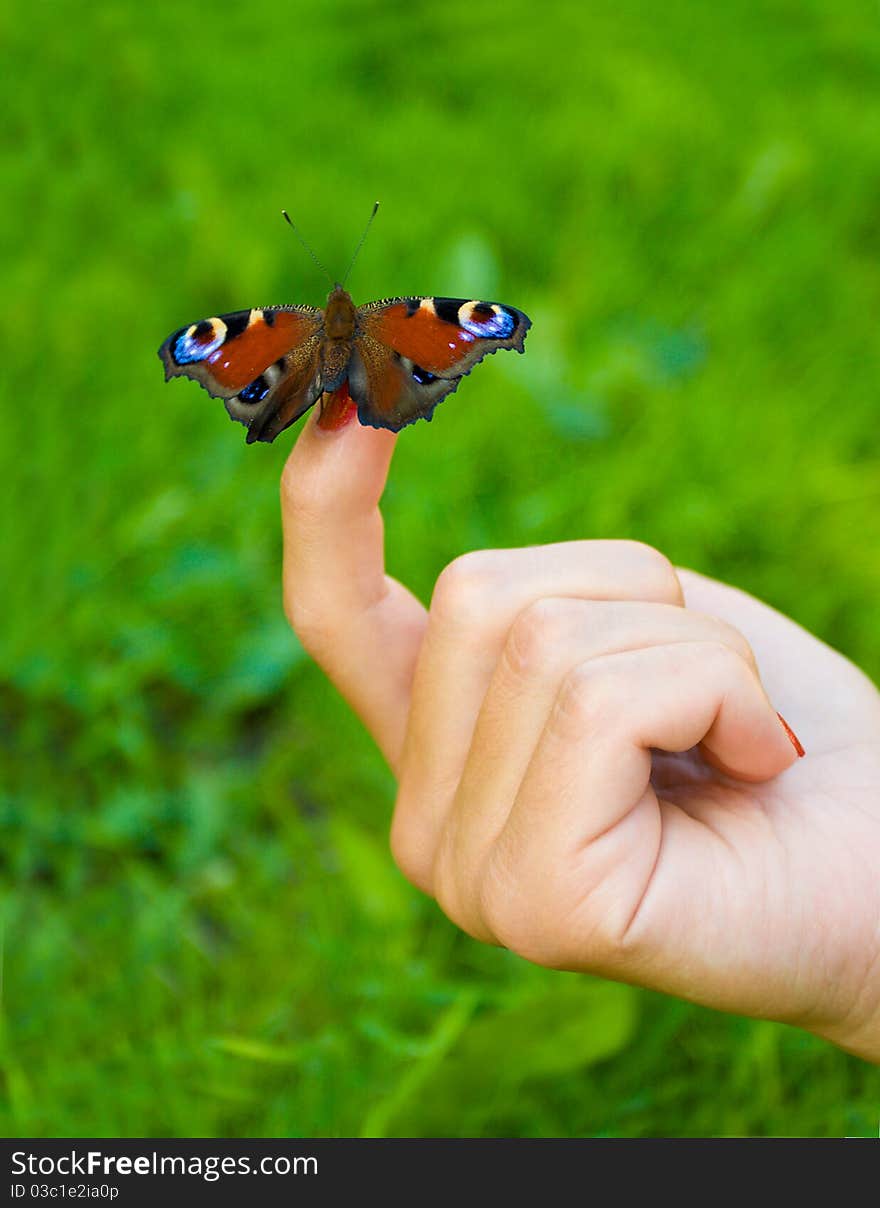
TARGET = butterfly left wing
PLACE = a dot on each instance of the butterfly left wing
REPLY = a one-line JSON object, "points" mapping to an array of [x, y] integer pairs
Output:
{"points": [[264, 363], [410, 353]]}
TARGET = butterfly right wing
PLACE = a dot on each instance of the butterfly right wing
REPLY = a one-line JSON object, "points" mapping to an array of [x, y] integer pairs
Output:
{"points": [[410, 353], [265, 363]]}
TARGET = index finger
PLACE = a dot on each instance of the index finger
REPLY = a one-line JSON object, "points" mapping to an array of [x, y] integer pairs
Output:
{"points": [[362, 627]]}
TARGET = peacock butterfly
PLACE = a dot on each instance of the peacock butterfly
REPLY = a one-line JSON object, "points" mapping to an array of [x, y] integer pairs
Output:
{"points": [[395, 360]]}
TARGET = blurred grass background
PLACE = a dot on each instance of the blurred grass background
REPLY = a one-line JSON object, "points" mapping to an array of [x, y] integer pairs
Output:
{"points": [[204, 933]]}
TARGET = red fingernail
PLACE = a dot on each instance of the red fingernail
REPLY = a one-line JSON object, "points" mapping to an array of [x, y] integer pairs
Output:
{"points": [[333, 420], [337, 410], [795, 741]]}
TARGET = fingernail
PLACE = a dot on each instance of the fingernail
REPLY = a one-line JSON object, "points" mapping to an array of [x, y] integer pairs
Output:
{"points": [[795, 741], [337, 411], [335, 418]]}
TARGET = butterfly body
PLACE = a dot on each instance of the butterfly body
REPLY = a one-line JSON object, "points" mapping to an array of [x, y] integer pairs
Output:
{"points": [[340, 324], [395, 359]]}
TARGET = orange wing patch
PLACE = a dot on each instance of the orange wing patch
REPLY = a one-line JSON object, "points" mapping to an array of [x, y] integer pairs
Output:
{"points": [[428, 341], [241, 359]]}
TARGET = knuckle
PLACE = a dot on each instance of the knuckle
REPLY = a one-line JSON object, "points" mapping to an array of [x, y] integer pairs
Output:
{"points": [[310, 626], [728, 662], [454, 890], [743, 648], [466, 587], [523, 920], [550, 916], [295, 490], [660, 579], [293, 609], [409, 854], [535, 637], [729, 636], [446, 893], [586, 700], [288, 482], [297, 617]]}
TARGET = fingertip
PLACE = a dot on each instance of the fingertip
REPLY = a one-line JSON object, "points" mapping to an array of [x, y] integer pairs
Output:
{"points": [[337, 467], [753, 753]]}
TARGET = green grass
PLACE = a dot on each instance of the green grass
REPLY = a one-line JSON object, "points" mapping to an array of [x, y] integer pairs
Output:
{"points": [[204, 932]]}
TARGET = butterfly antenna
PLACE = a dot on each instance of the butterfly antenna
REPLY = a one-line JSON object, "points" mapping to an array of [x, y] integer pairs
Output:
{"points": [[361, 244], [295, 230]]}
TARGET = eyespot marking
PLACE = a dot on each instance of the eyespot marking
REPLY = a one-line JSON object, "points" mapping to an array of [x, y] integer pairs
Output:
{"points": [[255, 392], [486, 319], [198, 341], [422, 376]]}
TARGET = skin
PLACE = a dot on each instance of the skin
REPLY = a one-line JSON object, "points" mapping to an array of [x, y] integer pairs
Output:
{"points": [[591, 768]]}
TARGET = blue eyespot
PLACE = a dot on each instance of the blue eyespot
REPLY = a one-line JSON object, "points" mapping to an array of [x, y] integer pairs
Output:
{"points": [[495, 325], [197, 342], [255, 392]]}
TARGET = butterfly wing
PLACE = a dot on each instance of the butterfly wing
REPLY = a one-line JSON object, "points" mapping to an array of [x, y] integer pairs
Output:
{"points": [[264, 363], [410, 353]]}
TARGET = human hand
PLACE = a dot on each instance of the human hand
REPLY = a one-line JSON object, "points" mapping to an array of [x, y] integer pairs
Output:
{"points": [[594, 775]]}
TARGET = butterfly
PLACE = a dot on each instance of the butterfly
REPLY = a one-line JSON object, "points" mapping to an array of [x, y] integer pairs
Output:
{"points": [[395, 359]]}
